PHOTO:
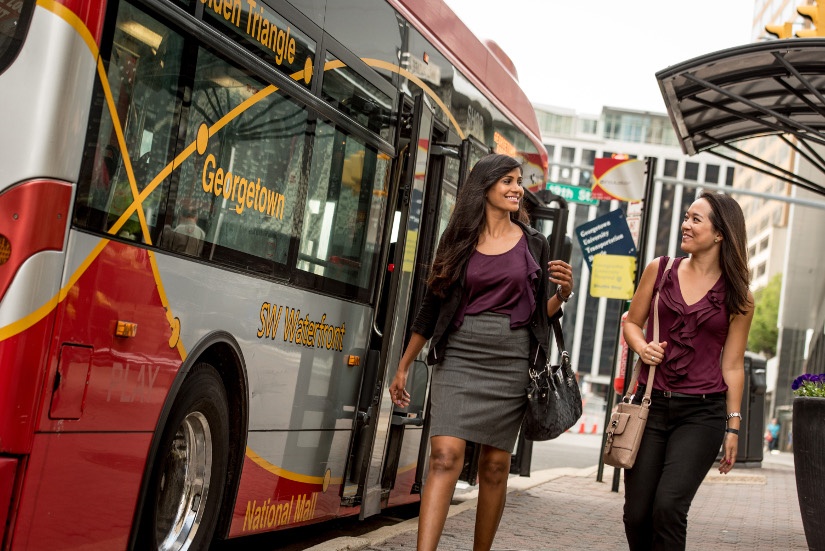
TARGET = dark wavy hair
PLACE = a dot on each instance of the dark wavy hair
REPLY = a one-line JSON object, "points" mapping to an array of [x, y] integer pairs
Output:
{"points": [[467, 221], [727, 218]]}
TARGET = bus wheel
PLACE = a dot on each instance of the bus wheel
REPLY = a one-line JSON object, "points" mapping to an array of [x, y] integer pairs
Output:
{"points": [[188, 474]]}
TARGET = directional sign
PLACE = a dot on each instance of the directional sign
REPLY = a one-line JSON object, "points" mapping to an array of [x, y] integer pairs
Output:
{"points": [[572, 194], [607, 234]]}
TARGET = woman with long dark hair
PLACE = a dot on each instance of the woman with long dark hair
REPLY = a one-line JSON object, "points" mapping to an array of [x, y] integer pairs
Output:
{"points": [[705, 313], [491, 293]]}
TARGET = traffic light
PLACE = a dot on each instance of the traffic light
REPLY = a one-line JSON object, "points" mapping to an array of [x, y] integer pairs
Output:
{"points": [[780, 31], [816, 13]]}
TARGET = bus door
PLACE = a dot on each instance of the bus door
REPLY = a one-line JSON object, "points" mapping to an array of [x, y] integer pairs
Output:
{"points": [[374, 413], [552, 222]]}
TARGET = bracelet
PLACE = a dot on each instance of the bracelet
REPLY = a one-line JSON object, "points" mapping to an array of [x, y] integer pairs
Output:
{"points": [[734, 414], [558, 295], [733, 431]]}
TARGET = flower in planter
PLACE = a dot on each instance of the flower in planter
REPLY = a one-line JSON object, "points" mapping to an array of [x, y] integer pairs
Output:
{"points": [[808, 384]]}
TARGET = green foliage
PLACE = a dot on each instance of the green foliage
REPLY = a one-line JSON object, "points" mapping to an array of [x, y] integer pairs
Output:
{"points": [[764, 333]]}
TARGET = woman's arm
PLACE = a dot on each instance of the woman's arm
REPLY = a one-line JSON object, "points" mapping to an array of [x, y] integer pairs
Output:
{"points": [[733, 372], [637, 317]]}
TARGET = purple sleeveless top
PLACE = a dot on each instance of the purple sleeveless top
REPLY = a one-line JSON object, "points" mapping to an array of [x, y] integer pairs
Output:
{"points": [[501, 283], [695, 336]]}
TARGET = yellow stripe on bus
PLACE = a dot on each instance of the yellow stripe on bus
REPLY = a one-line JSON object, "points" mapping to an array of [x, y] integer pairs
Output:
{"points": [[429, 91], [164, 300], [27, 321], [289, 475], [124, 154], [73, 20]]}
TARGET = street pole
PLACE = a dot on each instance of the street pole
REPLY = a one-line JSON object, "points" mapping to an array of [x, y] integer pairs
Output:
{"points": [[641, 253]]}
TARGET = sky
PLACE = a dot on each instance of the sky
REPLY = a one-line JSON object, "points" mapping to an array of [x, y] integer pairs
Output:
{"points": [[586, 55]]}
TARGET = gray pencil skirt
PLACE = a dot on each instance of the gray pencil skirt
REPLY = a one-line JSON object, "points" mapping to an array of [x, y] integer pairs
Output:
{"points": [[477, 391]]}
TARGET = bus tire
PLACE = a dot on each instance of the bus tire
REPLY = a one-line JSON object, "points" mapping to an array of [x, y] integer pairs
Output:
{"points": [[188, 475]]}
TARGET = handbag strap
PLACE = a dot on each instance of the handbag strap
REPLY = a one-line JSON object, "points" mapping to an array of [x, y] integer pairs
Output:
{"points": [[652, 372], [564, 356]]}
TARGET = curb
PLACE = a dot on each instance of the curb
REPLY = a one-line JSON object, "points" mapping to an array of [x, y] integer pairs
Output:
{"points": [[463, 502]]}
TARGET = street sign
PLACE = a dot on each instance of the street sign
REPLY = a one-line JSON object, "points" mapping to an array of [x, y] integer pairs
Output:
{"points": [[607, 234], [622, 179], [572, 194]]}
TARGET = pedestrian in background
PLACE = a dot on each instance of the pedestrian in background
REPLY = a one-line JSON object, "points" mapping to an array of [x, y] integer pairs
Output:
{"points": [[705, 313], [491, 292], [772, 435]]}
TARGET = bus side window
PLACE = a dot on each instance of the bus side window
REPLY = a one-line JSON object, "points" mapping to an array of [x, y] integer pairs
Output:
{"points": [[346, 201], [137, 123]]}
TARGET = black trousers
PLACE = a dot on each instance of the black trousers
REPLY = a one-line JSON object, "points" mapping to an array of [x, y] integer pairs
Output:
{"points": [[681, 441]]}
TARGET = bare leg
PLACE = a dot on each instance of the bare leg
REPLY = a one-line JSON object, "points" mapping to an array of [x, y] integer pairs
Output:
{"points": [[446, 461], [493, 471]]}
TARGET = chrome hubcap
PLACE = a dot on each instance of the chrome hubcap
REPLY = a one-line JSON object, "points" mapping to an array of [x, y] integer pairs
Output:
{"points": [[184, 484]]}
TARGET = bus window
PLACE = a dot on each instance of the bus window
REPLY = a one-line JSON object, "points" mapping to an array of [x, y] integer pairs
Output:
{"points": [[143, 73], [355, 96], [346, 201], [14, 21], [243, 179]]}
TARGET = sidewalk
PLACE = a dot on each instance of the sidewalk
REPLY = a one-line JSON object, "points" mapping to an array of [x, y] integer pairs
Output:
{"points": [[566, 509]]}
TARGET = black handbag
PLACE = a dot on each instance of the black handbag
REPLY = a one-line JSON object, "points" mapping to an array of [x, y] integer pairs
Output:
{"points": [[554, 401]]}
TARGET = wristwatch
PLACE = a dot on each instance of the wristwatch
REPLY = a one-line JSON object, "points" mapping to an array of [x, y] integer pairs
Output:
{"points": [[560, 297]]}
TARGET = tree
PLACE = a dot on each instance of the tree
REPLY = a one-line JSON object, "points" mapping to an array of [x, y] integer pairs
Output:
{"points": [[764, 332]]}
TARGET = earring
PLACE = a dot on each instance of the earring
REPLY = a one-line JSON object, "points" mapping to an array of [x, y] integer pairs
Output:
{"points": [[716, 240]]}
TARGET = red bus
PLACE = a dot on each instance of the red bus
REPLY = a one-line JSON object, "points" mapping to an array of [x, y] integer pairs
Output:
{"points": [[215, 221]]}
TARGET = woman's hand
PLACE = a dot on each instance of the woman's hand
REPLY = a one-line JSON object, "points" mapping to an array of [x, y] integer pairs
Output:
{"points": [[730, 446], [398, 392], [653, 353], [561, 273]]}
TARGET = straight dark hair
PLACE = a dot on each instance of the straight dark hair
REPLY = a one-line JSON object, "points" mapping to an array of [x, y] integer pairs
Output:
{"points": [[727, 218], [467, 221]]}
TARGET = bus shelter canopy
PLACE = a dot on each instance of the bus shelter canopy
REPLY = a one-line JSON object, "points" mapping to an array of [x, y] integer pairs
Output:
{"points": [[762, 89]]}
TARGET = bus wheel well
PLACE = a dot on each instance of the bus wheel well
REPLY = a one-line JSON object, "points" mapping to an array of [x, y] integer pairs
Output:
{"points": [[230, 365]]}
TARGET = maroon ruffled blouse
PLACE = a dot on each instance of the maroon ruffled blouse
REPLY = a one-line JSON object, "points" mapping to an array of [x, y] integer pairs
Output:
{"points": [[695, 335]]}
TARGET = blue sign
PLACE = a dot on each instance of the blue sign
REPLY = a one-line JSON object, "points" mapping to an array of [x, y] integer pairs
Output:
{"points": [[607, 234]]}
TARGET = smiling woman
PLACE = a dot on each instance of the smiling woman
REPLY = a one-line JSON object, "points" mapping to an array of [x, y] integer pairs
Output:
{"points": [[492, 281], [705, 309]]}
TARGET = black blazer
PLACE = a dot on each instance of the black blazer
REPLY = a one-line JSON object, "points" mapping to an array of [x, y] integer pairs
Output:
{"points": [[435, 317]]}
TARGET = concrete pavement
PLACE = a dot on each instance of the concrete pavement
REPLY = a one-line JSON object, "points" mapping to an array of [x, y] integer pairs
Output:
{"points": [[564, 509]]}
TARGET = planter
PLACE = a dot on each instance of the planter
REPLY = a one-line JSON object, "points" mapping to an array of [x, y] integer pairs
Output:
{"points": [[809, 464]]}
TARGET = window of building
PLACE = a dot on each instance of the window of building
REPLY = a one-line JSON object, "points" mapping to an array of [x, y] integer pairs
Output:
{"points": [[671, 168], [712, 173], [751, 251], [588, 126], [764, 243], [760, 270], [691, 171], [551, 151], [568, 154], [588, 157], [729, 176]]}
